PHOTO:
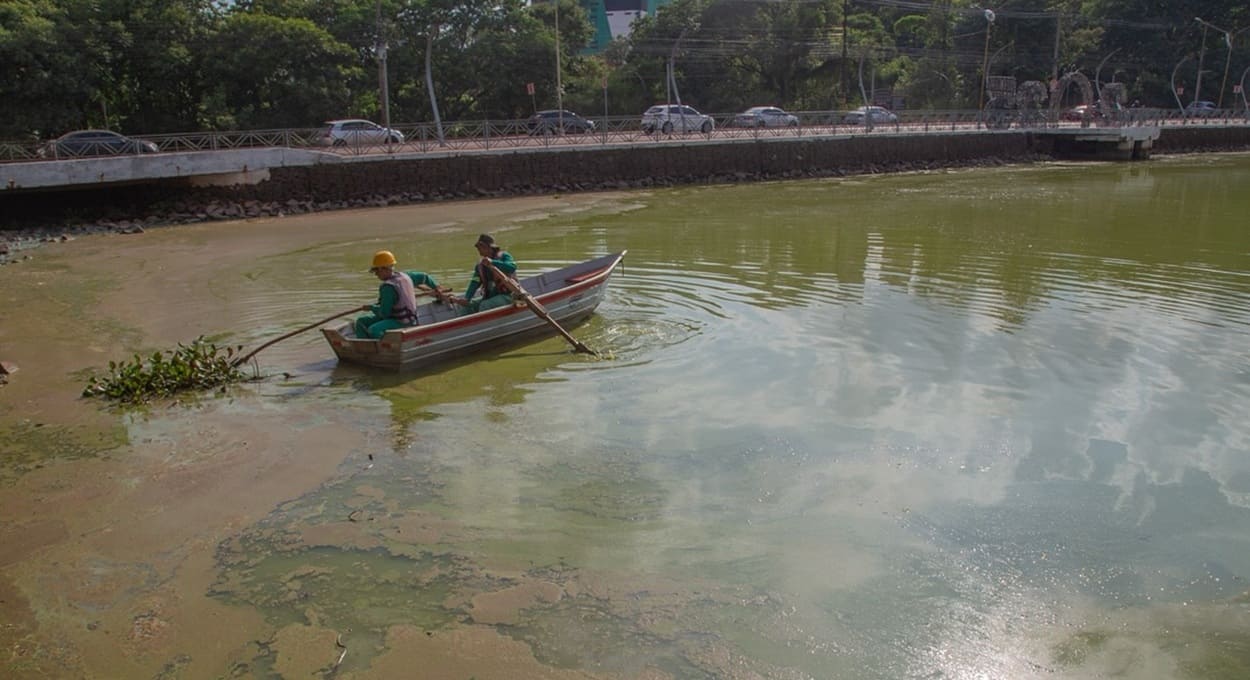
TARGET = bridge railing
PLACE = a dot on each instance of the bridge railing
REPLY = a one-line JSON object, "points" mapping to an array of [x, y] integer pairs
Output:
{"points": [[487, 135]]}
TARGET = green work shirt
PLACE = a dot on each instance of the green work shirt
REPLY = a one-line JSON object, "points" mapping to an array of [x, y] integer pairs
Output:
{"points": [[504, 263]]}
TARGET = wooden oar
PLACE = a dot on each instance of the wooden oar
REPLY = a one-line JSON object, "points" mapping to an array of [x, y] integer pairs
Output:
{"points": [[422, 291], [538, 309]]}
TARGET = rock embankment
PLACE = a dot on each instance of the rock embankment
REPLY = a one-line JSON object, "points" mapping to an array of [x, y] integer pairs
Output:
{"points": [[17, 241]]}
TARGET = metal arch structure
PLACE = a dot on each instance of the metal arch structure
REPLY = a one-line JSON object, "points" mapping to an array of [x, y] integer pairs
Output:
{"points": [[1031, 99], [1031, 94], [1056, 95], [1010, 103]]}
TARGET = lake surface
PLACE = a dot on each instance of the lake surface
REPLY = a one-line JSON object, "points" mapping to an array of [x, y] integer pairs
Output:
{"points": [[972, 424]]}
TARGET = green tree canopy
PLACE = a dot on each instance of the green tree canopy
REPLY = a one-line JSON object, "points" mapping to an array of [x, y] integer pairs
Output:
{"points": [[277, 72]]}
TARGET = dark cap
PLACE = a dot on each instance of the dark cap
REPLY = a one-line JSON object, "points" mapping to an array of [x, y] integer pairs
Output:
{"points": [[486, 239]]}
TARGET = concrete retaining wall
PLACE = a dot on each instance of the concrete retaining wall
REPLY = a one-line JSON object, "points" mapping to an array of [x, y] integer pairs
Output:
{"points": [[1203, 138], [297, 188]]}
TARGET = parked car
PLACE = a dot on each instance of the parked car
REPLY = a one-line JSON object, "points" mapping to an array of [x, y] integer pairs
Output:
{"points": [[1080, 112], [1200, 109], [765, 116], [879, 115], [356, 132], [94, 143], [548, 122], [1091, 112], [668, 118]]}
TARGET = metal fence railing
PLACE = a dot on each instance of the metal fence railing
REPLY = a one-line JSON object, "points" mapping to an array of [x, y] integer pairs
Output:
{"points": [[485, 136]]}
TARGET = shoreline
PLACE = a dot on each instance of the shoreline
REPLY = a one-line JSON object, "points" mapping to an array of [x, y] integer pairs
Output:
{"points": [[17, 242]]}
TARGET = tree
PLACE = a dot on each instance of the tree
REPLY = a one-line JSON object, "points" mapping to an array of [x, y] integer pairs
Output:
{"points": [[55, 68], [277, 72]]}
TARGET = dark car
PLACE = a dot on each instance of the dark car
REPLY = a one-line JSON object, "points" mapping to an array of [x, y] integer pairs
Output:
{"points": [[556, 121], [95, 143]]}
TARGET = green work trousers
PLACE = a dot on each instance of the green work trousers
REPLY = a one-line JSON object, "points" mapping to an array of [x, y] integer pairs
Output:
{"points": [[500, 300], [372, 327]]}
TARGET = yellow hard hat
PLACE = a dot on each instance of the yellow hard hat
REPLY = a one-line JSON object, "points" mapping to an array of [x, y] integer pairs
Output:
{"points": [[383, 258]]}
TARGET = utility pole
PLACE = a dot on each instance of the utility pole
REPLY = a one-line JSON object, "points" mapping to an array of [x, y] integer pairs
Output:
{"points": [[985, 62], [846, 9], [1228, 42], [1054, 72], [559, 86], [383, 91], [672, 69]]}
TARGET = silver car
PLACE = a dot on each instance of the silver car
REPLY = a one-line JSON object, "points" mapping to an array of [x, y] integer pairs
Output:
{"points": [[878, 115], [765, 116], [669, 118], [356, 132]]}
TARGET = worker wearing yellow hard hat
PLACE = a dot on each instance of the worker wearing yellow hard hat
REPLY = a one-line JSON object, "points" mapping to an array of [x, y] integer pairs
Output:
{"points": [[397, 298]]}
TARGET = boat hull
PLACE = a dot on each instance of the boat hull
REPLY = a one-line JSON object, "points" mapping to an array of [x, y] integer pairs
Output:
{"points": [[570, 295]]}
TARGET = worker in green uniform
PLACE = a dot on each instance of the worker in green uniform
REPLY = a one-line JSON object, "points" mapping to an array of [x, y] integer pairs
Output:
{"points": [[494, 292], [397, 298]]}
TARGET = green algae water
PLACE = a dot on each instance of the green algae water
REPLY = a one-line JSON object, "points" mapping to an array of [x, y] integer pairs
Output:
{"points": [[973, 424]]}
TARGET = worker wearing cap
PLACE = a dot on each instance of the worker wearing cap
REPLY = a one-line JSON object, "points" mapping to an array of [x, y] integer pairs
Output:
{"points": [[494, 292], [397, 299]]}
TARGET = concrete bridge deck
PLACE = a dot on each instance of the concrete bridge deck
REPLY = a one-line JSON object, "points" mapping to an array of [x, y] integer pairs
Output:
{"points": [[246, 166], [190, 186]]}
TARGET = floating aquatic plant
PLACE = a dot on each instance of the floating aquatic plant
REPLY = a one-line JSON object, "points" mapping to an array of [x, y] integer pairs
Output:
{"points": [[199, 365]]}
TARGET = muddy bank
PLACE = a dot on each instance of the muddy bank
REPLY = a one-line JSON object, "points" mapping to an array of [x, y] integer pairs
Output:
{"points": [[115, 520]]}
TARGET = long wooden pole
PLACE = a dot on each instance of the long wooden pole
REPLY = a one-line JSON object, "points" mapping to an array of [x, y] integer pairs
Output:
{"points": [[243, 359], [537, 308]]}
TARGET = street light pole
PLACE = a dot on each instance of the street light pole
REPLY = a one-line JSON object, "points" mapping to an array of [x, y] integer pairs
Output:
{"points": [[1244, 104], [1098, 75], [1176, 68], [1228, 42]]}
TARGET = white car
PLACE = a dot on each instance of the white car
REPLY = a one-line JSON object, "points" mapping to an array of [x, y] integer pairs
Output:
{"points": [[765, 116], [669, 118], [878, 114], [356, 132]]}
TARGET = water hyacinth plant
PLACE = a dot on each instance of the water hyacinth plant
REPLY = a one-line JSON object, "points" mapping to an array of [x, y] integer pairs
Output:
{"points": [[197, 366]]}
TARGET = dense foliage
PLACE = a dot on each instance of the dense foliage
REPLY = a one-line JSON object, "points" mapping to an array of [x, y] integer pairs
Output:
{"points": [[198, 366], [149, 66]]}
